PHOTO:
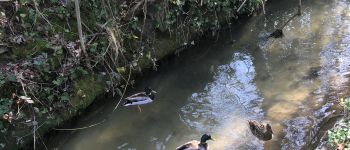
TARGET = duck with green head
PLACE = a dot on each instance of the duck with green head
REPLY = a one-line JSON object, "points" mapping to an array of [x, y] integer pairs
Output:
{"points": [[140, 98], [197, 145]]}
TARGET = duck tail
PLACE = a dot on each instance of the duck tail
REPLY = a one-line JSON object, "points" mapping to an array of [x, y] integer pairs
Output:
{"points": [[250, 122]]}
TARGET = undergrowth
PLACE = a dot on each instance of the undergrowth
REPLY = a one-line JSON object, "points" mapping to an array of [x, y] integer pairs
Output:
{"points": [[41, 55]]}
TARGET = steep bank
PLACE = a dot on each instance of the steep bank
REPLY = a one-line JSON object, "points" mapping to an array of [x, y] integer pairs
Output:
{"points": [[43, 59]]}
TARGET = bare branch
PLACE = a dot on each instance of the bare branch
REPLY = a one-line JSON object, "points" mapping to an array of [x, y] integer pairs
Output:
{"points": [[81, 38]]}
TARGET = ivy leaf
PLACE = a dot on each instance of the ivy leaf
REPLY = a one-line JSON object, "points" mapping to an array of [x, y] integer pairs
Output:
{"points": [[5, 104], [50, 98], [93, 47], [2, 79], [11, 77], [58, 81], [118, 91], [121, 70], [65, 97]]}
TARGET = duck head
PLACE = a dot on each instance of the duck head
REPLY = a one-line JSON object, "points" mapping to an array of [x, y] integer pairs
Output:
{"points": [[149, 91], [269, 128], [206, 137]]}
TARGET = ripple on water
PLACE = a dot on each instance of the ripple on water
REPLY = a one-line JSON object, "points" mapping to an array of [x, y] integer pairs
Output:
{"points": [[296, 131], [225, 105]]}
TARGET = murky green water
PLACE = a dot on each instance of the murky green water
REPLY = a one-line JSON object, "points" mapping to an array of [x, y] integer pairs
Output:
{"points": [[290, 83]]}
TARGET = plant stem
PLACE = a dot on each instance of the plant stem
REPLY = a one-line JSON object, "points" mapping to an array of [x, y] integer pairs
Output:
{"points": [[81, 38]]}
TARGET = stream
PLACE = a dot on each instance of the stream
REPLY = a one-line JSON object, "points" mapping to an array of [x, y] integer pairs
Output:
{"points": [[291, 83]]}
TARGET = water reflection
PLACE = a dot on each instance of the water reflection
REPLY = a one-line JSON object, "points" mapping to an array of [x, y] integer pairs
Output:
{"points": [[225, 105], [289, 82]]}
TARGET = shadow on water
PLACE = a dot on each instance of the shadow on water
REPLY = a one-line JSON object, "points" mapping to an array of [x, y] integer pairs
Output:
{"points": [[291, 83]]}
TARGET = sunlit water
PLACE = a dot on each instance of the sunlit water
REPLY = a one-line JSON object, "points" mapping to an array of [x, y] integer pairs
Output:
{"points": [[290, 83]]}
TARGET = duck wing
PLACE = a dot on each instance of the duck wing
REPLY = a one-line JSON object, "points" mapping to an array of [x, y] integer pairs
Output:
{"points": [[192, 145], [137, 95], [254, 125]]}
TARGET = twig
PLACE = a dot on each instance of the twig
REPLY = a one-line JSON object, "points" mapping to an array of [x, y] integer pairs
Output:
{"points": [[279, 31], [42, 142], [299, 8], [126, 85], [289, 20], [20, 80], [81, 127], [40, 13], [297, 14], [37, 98], [77, 12], [239, 8], [31, 132], [116, 43], [110, 76], [87, 27], [263, 6], [144, 19], [100, 58], [34, 130]]}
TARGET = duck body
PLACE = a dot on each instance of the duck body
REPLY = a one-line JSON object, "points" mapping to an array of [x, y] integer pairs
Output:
{"points": [[193, 145], [261, 131], [140, 98], [196, 145]]}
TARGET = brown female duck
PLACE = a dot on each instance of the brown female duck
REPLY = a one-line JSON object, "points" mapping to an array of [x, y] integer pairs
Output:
{"points": [[261, 131]]}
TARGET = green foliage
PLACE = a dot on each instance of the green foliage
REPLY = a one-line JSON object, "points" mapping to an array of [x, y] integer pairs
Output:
{"points": [[115, 36], [33, 47], [77, 72], [5, 105], [340, 134], [345, 102], [65, 97], [2, 79]]}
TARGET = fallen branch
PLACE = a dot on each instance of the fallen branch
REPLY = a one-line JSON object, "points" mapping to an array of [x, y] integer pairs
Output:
{"points": [[239, 8], [278, 33], [81, 127]]}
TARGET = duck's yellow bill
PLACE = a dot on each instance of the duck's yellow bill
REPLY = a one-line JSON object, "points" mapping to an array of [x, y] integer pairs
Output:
{"points": [[213, 139]]}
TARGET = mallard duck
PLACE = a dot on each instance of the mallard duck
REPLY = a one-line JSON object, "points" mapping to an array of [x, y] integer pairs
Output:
{"points": [[140, 98], [196, 145], [261, 131]]}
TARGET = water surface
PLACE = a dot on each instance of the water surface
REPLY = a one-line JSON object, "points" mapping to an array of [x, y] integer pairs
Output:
{"points": [[215, 88]]}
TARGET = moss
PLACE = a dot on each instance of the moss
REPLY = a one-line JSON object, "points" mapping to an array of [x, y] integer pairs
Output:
{"points": [[165, 46], [69, 32], [29, 49], [85, 91]]}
